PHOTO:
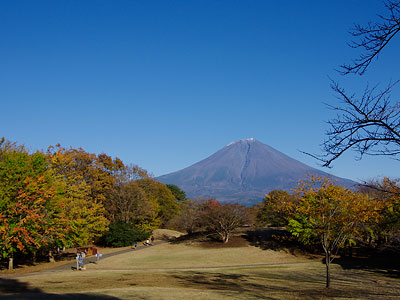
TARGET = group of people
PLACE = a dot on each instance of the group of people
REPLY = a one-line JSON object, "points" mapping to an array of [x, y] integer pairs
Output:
{"points": [[81, 255], [146, 243]]}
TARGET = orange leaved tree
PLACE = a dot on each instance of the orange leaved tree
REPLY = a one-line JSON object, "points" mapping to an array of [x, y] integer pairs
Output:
{"points": [[29, 203], [330, 214]]}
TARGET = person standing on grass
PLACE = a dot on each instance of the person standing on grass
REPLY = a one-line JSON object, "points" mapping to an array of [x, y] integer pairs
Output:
{"points": [[80, 262], [152, 240]]}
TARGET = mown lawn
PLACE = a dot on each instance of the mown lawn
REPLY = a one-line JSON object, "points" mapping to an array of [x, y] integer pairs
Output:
{"points": [[180, 271]]}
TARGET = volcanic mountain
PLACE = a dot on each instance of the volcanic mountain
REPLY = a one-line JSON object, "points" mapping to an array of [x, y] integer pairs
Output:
{"points": [[243, 172]]}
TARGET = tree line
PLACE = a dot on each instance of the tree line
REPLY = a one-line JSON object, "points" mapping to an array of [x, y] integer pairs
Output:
{"points": [[65, 198], [69, 197]]}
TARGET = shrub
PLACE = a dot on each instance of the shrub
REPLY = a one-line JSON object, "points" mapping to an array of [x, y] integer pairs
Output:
{"points": [[122, 234]]}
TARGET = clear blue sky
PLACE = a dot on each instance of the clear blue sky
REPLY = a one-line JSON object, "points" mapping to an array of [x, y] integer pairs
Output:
{"points": [[164, 84]]}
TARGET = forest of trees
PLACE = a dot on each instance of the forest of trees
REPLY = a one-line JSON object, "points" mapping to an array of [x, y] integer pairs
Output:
{"points": [[65, 198], [69, 197]]}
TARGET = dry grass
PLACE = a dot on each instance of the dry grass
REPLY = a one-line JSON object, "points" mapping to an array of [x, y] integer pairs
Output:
{"points": [[162, 234], [178, 271], [186, 257]]}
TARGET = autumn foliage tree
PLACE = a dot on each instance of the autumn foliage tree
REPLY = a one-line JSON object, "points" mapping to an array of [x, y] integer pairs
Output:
{"points": [[190, 217], [223, 219], [69, 197], [29, 202], [165, 205], [387, 191], [329, 214], [86, 180], [269, 212]]}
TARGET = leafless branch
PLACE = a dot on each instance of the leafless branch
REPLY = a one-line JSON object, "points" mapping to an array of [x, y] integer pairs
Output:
{"points": [[373, 38], [370, 125]]}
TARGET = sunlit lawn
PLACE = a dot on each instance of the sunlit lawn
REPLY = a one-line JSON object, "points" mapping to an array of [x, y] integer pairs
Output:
{"points": [[179, 271]]}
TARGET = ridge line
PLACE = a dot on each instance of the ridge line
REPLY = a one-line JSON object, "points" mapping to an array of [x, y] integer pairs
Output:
{"points": [[245, 166]]}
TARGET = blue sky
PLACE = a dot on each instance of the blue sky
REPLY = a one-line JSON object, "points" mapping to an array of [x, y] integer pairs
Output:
{"points": [[164, 84]]}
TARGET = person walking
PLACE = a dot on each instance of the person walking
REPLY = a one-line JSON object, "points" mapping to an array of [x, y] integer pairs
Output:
{"points": [[152, 240]]}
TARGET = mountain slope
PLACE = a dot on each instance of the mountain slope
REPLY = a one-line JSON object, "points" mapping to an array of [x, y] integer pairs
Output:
{"points": [[243, 171]]}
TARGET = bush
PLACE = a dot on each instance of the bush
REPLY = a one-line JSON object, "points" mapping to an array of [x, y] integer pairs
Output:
{"points": [[122, 234]]}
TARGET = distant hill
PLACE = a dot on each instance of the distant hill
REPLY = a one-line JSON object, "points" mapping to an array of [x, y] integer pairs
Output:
{"points": [[243, 172]]}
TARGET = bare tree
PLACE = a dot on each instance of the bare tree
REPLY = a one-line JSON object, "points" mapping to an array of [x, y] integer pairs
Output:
{"points": [[223, 219], [370, 124]]}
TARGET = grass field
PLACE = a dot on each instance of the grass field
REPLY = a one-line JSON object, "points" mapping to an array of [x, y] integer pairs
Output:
{"points": [[181, 271]]}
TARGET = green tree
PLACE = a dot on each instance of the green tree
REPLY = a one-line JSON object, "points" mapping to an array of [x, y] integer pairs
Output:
{"points": [[123, 234], [177, 192]]}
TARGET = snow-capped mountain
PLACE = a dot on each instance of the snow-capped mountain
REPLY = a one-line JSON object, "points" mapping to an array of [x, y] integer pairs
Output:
{"points": [[243, 172]]}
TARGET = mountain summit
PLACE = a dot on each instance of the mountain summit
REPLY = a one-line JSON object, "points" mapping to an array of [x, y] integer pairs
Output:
{"points": [[243, 172]]}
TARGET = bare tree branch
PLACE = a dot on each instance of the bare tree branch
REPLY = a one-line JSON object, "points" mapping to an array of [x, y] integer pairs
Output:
{"points": [[369, 125], [373, 38]]}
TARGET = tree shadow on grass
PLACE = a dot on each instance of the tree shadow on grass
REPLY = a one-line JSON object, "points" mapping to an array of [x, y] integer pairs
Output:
{"points": [[270, 285], [278, 239], [387, 265], [12, 289], [221, 282], [267, 289]]}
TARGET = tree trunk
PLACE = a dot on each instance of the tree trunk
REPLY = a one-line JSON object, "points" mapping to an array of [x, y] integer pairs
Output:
{"points": [[34, 257], [11, 262], [328, 275], [226, 238]]}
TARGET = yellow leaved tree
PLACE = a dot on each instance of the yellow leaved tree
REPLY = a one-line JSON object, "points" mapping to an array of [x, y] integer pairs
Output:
{"points": [[329, 214]]}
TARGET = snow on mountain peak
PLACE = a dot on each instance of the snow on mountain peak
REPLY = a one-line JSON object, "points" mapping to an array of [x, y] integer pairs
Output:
{"points": [[243, 140]]}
